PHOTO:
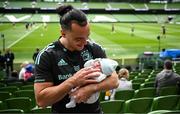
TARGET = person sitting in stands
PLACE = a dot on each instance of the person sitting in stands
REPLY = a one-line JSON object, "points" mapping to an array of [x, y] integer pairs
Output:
{"points": [[28, 75], [23, 70], [124, 84], [166, 77]]}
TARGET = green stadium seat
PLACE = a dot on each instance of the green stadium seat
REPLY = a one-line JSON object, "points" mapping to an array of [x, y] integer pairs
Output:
{"points": [[136, 86], [102, 96], [178, 105], [147, 84], [131, 77], [153, 75], [113, 107], [138, 105], [145, 92], [124, 94], [17, 84], [2, 105], [10, 89], [23, 103], [27, 87], [141, 76], [174, 112], [138, 80], [46, 110], [4, 95], [168, 102], [152, 79], [26, 93], [12, 111], [29, 83], [171, 90], [159, 112], [2, 85]]}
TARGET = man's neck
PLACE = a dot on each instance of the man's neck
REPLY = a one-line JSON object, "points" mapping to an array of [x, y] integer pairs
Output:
{"points": [[64, 42]]}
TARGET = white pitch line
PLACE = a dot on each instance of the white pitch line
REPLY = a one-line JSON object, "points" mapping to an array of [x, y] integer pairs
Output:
{"points": [[23, 36]]}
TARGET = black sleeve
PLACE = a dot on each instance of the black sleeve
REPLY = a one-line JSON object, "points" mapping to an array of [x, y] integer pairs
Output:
{"points": [[98, 51], [43, 68]]}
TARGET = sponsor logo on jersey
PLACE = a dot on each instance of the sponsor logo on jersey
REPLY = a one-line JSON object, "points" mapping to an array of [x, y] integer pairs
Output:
{"points": [[62, 62], [64, 77]]}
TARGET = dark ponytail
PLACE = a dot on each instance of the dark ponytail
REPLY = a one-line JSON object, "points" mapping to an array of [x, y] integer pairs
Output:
{"points": [[68, 14]]}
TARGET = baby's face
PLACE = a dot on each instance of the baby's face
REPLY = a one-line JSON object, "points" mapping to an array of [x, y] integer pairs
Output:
{"points": [[96, 64]]}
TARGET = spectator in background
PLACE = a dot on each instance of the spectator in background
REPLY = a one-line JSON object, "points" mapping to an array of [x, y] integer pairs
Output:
{"points": [[45, 25], [27, 26], [23, 70], [132, 29], [166, 77], [9, 59], [163, 31], [29, 72], [162, 53], [113, 28], [35, 54], [2, 62], [124, 84]]}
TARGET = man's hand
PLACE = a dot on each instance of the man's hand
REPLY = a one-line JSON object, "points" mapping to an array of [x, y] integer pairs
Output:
{"points": [[85, 76], [82, 94]]}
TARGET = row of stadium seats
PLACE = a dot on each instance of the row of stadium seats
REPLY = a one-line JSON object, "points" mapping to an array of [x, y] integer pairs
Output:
{"points": [[95, 4], [135, 105], [143, 92], [12, 89], [20, 105], [17, 84], [142, 105], [120, 95]]}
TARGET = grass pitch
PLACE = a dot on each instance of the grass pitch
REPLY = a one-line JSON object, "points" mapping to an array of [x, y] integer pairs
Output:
{"points": [[118, 44]]}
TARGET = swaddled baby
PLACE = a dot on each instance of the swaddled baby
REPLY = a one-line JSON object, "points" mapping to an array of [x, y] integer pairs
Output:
{"points": [[107, 67]]}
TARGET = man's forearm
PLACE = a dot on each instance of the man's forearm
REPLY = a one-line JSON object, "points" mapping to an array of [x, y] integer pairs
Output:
{"points": [[49, 94]]}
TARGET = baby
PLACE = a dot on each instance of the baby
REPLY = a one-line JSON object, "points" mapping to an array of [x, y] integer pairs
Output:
{"points": [[107, 67]]}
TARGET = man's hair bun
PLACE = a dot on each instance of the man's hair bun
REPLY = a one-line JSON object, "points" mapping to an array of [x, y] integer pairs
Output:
{"points": [[64, 9]]}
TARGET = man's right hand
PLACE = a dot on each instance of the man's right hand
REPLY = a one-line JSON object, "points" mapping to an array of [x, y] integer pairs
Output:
{"points": [[85, 76]]}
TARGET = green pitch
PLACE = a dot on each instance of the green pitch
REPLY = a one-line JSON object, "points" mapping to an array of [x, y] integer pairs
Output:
{"points": [[118, 44]]}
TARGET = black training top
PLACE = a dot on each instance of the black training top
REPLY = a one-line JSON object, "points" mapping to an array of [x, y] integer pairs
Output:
{"points": [[55, 64]]}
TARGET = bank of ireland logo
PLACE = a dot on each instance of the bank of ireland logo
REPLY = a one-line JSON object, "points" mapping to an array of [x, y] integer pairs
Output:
{"points": [[62, 62]]}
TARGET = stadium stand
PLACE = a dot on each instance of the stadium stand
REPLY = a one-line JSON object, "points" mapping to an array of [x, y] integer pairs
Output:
{"points": [[17, 111], [138, 105], [41, 110], [168, 102], [145, 92], [136, 86], [139, 100], [147, 84], [23, 103], [114, 106], [26, 93], [124, 95], [10, 89], [172, 90], [4, 95]]}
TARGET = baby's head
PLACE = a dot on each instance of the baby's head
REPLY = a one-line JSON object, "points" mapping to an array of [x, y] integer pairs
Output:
{"points": [[106, 65]]}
